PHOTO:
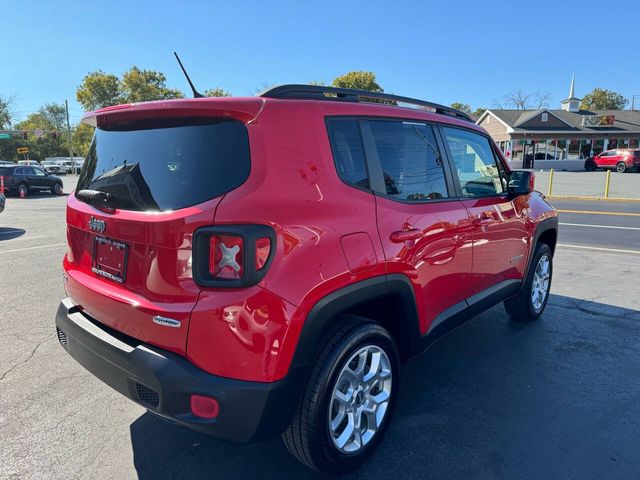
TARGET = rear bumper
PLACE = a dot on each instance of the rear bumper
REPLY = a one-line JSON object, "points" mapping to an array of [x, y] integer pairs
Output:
{"points": [[163, 382]]}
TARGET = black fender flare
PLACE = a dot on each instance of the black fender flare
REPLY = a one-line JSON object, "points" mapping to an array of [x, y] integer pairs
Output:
{"points": [[326, 310], [545, 225]]}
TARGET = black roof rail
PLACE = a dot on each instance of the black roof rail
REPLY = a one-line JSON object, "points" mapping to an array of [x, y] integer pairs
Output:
{"points": [[320, 92]]}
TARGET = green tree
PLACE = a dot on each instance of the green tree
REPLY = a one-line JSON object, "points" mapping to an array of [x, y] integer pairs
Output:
{"points": [[81, 136], [5, 111], [98, 90], [602, 99], [463, 107], [50, 121], [477, 113], [358, 79], [146, 85], [216, 92]]}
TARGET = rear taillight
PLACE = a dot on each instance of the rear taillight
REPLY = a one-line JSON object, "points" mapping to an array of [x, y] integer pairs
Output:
{"points": [[232, 255], [226, 256]]}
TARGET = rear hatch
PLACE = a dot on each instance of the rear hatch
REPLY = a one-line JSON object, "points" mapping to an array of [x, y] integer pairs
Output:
{"points": [[147, 183]]}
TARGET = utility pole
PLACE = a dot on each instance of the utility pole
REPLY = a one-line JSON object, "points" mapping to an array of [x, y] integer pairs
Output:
{"points": [[73, 164], [633, 101]]}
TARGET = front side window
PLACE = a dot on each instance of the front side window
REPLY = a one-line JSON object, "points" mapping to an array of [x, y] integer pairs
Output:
{"points": [[38, 172], [475, 163], [348, 154], [410, 160]]}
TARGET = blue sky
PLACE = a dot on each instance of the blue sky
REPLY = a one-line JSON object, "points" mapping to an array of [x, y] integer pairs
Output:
{"points": [[445, 51]]}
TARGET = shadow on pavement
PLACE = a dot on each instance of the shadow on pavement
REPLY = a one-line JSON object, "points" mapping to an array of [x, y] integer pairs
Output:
{"points": [[557, 398], [8, 233]]}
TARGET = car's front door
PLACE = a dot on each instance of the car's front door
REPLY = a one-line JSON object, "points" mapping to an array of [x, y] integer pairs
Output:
{"points": [[424, 229], [40, 179], [500, 234]]}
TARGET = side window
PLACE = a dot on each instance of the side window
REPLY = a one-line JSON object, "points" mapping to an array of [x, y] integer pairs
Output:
{"points": [[474, 162], [410, 160], [348, 153], [19, 171], [38, 172]]}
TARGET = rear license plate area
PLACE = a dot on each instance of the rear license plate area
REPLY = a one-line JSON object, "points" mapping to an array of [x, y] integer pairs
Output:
{"points": [[110, 259]]}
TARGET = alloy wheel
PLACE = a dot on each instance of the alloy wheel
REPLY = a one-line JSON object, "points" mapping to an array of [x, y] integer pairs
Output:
{"points": [[360, 399], [541, 280]]}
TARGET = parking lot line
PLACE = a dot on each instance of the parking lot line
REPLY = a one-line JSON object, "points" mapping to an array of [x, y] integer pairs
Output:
{"points": [[33, 248], [599, 226], [595, 212], [602, 249]]}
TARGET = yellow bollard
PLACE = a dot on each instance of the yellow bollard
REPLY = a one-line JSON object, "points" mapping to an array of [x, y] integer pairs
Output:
{"points": [[550, 183], [606, 184]]}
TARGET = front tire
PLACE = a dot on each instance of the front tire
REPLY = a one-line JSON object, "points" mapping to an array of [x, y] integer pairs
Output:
{"points": [[349, 399], [57, 189], [532, 298]]}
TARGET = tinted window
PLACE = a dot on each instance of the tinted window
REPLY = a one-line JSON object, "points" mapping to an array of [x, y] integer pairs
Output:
{"points": [[475, 163], [346, 145], [19, 171], [5, 172], [167, 166], [410, 160]]}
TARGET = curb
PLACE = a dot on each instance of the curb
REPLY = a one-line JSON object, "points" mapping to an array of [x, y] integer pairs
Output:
{"points": [[601, 199]]}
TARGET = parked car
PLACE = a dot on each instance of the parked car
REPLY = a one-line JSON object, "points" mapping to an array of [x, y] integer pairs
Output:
{"points": [[24, 179], [29, 162], [52, 167], [292, 263], [2, 202], [6, 162], [70, 167], [620, 160]]}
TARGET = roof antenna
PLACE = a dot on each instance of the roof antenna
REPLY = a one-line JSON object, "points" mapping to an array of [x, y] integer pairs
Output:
{"points": [[196, 94]]}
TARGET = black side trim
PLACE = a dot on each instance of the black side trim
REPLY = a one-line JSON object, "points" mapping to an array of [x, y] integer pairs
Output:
{"points": [[493, 295]]}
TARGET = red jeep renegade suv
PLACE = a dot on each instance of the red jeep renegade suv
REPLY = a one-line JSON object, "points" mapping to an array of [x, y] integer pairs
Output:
{"points": [[249, 267]]}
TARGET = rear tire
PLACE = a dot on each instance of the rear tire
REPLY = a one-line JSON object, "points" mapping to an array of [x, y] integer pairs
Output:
{"points": [[23, 190], [590, 166], [349, 398], [532, 298], [621, 167]]}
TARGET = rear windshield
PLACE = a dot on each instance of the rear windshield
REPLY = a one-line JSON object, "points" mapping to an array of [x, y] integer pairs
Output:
{"points": [[168, 165]]}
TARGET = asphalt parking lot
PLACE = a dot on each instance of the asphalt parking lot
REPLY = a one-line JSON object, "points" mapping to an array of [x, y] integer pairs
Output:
{"points": [[559, 398]]}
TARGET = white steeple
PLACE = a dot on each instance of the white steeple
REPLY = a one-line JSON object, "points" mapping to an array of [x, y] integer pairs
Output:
{"points": [[573, 84], [571, 104]]}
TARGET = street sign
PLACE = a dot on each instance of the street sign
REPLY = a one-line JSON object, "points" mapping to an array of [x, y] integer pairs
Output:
{"points": [[23, 150], [5, 136]]}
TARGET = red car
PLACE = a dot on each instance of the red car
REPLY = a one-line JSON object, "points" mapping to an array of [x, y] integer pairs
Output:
{"points": [[249, 267], [621, 160]]}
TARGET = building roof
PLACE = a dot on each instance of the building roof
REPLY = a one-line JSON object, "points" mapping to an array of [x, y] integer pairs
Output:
{"points": [[515, 120]]}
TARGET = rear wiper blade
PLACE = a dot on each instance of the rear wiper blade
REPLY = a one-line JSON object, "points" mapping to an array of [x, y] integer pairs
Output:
{"points": [[95, 197]]}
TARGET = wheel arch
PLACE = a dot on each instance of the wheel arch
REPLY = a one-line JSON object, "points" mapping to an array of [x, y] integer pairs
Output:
{"points": [[546, 232], [388, 300]]}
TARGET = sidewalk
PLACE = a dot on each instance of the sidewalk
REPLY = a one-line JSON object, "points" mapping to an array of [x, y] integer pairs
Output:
{"points": [[589, 184]]}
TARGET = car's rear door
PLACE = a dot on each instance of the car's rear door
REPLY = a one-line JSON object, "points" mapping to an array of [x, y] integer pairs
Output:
{"points": [[500, 234], [424, 229]]}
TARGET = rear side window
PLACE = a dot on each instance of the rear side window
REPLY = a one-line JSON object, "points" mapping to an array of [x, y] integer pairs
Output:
{"points": [[168, 165], [5, 172], [348, 154], [410, 159], [475, 163]]}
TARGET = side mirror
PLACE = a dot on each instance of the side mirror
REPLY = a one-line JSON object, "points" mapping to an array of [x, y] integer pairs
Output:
{"points": [[521, 182]]}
